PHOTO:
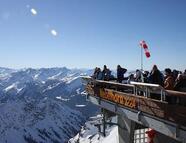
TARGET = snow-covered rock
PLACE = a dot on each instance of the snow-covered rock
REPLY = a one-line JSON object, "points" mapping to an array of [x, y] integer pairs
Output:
{"points": [[89, 133]]}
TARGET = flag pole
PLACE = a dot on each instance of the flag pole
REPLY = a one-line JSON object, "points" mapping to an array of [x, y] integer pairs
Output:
{"points": [[141, 59], [142, 79], [147, 53]]}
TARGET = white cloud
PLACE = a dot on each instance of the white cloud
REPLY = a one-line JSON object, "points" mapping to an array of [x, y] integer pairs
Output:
{"points": [[53, 32], [33, 11]]}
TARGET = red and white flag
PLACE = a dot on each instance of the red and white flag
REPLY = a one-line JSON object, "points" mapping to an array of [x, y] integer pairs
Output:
{"points": [[145, 47]]}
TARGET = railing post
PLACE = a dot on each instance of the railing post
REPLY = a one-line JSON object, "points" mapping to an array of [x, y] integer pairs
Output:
{"points": [[162, 95], [145, 93]]}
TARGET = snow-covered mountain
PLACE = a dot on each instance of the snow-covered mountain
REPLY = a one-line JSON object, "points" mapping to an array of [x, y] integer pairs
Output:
{"points": [[44, 120], [46, 105]]}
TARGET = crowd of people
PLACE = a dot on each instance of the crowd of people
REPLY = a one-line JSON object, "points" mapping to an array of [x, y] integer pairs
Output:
{"points": [[106, 75], [169, 79]]}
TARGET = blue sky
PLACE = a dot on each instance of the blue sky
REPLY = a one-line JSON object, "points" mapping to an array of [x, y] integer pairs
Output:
{"points": [[92, 33]]}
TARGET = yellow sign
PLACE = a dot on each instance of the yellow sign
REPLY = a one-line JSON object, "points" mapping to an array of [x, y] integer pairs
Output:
{"points": [[118, 98]]}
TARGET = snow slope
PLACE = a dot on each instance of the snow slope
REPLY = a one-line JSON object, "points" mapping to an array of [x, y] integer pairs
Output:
{"points": [[89, 133], [38, 121]]}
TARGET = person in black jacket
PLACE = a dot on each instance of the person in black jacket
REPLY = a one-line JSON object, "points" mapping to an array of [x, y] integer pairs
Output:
{"points": [[120, 73], [156, 77], [180, 85], [106, 73]]}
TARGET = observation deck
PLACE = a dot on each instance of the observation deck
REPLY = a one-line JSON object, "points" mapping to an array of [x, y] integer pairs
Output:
{"points": [[141, 104]]}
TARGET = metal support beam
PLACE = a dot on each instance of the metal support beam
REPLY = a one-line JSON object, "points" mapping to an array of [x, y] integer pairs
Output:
{"points": [[104, 123], [165, 127]]}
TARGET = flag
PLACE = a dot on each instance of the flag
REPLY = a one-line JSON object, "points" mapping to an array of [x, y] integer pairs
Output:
{"points": [[145, 47]]}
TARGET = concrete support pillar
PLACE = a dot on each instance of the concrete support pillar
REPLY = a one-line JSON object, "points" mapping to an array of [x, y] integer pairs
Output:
{"points": [[159, 138], [126, 130]]}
